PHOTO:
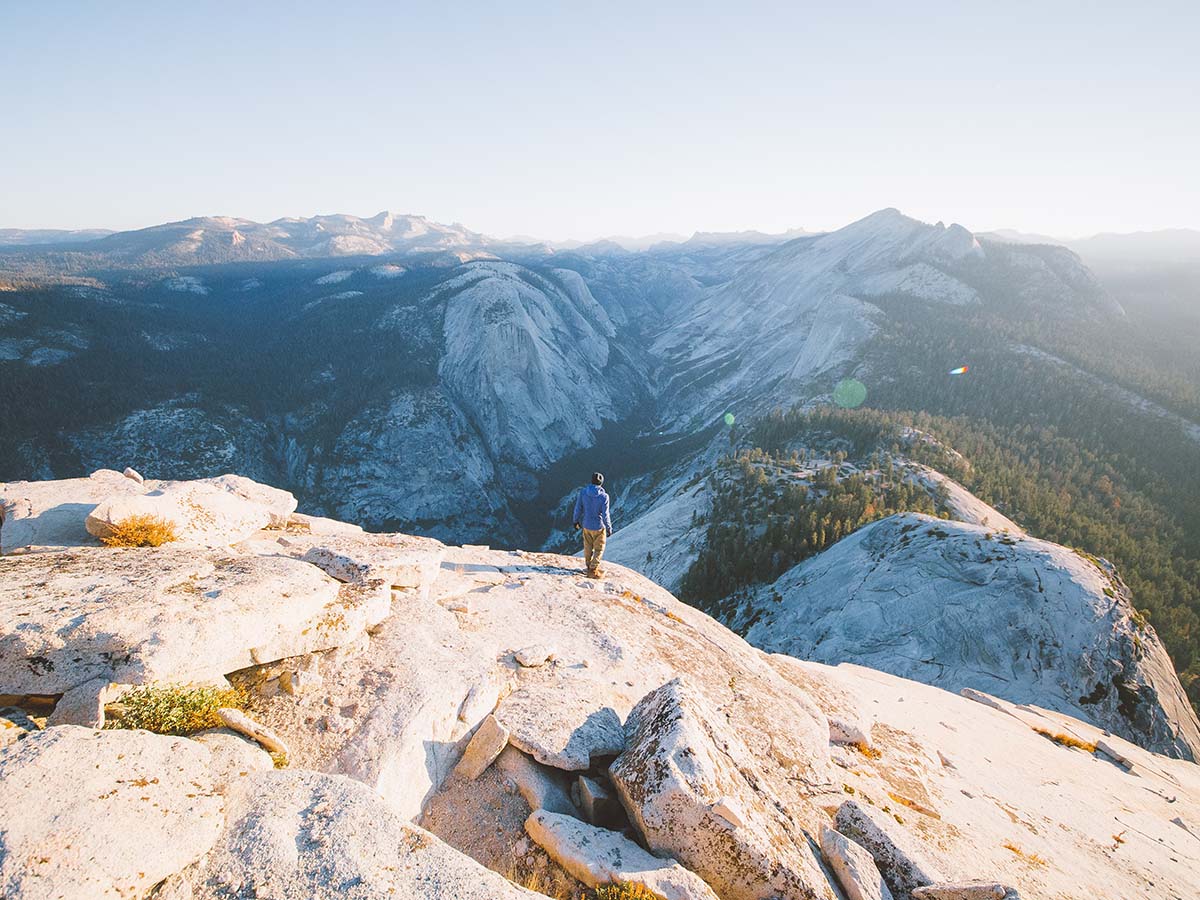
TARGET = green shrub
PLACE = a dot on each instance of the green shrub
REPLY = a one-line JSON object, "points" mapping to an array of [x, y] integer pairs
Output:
{"points": [[175, 709]]}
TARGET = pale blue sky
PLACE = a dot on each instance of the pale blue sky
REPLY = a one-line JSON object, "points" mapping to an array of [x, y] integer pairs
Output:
{"points": [[578, 120]]}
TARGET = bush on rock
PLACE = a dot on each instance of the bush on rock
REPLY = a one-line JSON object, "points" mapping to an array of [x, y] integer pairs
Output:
{"points": [[141, 531], [175, 709]]}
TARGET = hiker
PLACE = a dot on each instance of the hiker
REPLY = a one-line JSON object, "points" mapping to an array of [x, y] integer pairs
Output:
{"points": [[591, 514]]}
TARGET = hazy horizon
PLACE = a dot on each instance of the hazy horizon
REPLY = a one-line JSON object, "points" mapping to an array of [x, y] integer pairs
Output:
{"points": [[569, 124]]}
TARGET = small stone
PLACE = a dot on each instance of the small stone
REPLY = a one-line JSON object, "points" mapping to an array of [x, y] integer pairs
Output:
{"points": [[133, 475], [300, 682], [966, 890], [847, 730], [242, 723], [485, 745], [533, 656]]}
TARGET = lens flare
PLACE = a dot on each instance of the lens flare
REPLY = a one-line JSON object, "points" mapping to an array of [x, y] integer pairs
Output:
{"points": [[729, 419], [961, 370], [850, 393]]}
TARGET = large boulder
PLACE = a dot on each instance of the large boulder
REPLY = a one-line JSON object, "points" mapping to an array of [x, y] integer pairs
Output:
{"points": [[211, 512], [91, 814], [598, 856], [301, 835], [695, 791]]}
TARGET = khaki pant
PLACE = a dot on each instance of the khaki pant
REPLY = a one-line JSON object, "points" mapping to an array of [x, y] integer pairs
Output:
{"points": [[593, 547]]}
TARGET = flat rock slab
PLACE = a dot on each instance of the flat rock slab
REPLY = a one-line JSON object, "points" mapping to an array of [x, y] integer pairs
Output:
{"points": [[302, 835], [37, 516], [91, 814], [684, 773], [560, 724], [485, 745], [598, 856], [398, 560], [164, 614]]}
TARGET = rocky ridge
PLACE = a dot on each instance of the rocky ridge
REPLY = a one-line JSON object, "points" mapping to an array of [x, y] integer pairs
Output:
{"points": [[613, 734], [963, 605]]}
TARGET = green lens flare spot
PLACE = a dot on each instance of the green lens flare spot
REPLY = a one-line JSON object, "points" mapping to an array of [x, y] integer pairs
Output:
{"points": [[729, 419], [850, 393]]}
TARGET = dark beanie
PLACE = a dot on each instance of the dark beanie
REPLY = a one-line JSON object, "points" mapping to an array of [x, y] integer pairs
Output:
{"points": [[597, 478]]}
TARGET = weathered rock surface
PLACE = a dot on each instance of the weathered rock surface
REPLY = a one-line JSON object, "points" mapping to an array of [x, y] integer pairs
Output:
{"points": [[163, 614], [599, 804], [15, 723], [84, 704], [854, 867], [965, 606], [905, 864], [597, 856], [683, 758], [534, 656], [308, 836], [542, 787], [91, 814], [233, 756]]}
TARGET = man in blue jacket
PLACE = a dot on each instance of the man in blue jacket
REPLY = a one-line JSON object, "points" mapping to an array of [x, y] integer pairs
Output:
{"points": [[591, 514]]}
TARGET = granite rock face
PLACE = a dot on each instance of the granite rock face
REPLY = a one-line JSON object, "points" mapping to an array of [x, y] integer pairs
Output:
{"points": [[729, 763], [90, 814], [959, 605]]}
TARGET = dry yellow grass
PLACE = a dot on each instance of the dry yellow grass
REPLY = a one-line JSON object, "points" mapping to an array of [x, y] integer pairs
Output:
{"points": [[141, 531], [625, 890], [1031, 858], [867, 750], [538, 883], [1066, 740], [175, 709]]}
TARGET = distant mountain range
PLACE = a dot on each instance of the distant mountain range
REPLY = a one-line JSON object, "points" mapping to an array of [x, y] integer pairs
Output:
{"points": [[24, 237]]}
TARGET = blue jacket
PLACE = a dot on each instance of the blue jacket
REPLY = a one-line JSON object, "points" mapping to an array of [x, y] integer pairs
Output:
{"points": [[591, 509]]}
